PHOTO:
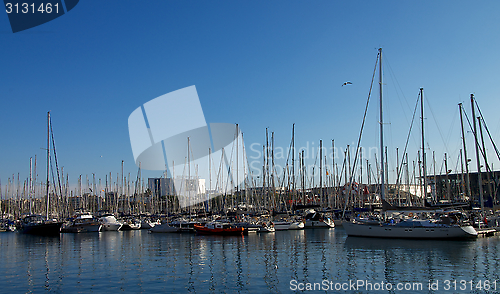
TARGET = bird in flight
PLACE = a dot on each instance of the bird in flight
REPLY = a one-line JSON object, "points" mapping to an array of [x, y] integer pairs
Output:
{"points": [[346, 83]]}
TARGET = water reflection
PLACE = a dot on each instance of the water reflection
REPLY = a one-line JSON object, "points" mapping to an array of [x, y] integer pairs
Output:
{"points": [[136, 261]]}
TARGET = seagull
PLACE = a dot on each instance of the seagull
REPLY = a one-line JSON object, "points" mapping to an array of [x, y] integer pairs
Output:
{"points": [[346, 83]]}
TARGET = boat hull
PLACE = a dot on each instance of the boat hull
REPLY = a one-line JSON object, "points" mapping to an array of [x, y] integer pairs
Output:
{"points": [[164, 228], [379, 231], [216, 231], [44, 229], [111, 227], [326, 223], [283, 226], [86, 228], [109, 223]]}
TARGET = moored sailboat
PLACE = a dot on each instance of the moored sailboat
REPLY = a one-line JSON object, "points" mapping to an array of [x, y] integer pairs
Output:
{"points": [[218, 228], [409, 228], [82, 223], [37, 224], [315, 219], [110, 223]]}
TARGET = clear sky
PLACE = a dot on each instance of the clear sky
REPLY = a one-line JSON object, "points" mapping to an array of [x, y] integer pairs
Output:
{"points": [[256, 63]]}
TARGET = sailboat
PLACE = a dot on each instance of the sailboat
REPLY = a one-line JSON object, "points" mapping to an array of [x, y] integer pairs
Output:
{"points": [[37, 224], [448, 227], [82, 223], [316, 219], [218, 228]]}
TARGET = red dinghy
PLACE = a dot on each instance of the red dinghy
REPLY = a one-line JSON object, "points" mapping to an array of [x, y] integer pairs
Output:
{"points": [[216, 228]]}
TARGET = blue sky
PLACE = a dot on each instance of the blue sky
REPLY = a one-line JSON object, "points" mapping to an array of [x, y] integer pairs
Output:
{"points": [[256, 63]]}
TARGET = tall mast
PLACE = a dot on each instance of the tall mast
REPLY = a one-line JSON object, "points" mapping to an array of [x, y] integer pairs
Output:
{"points": [[480, 180], [48, 163], [30, 187], [293, 161], [321, 170], [382, 176], [334, 182], [424, 163], [467, 179], [237, 157], [488, 178]]}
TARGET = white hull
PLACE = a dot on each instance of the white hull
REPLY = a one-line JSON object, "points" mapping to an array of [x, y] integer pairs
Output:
{"points": [[266, 230], [109, 223], [93, 228], [283, 226], [148, 224], [111, 227], [388, 231], [326, 223]]}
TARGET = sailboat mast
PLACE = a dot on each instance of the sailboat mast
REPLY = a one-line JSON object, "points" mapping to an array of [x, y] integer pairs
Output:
{"points": [[424, 163], [467, 179], [480, 181], [382, 176], [48, 163], [293, 162], [321, 171]]}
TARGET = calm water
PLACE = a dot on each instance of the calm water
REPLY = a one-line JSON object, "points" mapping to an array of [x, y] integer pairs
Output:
{"points": [[137, 262]]}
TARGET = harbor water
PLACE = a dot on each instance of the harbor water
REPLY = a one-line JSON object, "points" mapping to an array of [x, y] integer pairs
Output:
{"points": [[321, 260]]}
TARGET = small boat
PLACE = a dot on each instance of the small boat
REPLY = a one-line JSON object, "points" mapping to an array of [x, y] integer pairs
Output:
{"points": [[265, 227], [148, 224], [316, 219], [130, 224], [185, 226], [218, 228], [248, 227], [110, 223], [288, 225], [83, 223], [164, 228], [35, 224]]}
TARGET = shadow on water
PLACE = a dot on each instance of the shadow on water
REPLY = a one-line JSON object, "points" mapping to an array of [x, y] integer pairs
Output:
{"points": [[138, 262]]}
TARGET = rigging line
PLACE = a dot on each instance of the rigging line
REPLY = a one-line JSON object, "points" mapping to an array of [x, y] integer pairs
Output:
{"points": [[286, 170], [408, 139], [437, 125], [55, 157], [491, 139], [393, 76], [486, 127], [363, 122], [441, 168], [451, 127], [391, 72], [456, 165], [488, 169], [361, 132]]}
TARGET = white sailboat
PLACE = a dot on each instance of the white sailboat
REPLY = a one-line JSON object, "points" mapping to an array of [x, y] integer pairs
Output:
{"points": [[412, 228], [283, 225], [110, 223], [315, 219]]}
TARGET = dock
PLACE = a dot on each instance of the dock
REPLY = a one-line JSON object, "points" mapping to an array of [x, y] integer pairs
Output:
{"points": [[486, 232]]}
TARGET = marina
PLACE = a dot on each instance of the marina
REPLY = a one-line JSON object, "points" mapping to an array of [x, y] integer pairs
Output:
{"points": [[250, 147], [139, 262]]}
